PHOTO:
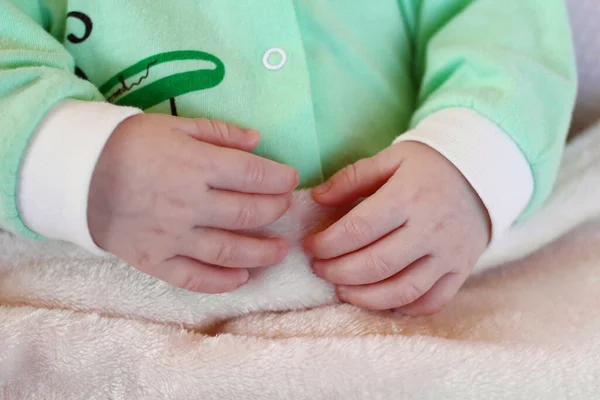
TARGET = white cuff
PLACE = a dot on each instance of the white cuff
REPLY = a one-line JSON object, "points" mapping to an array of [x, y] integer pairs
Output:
{"points": [[57, 169], [486, 156]]}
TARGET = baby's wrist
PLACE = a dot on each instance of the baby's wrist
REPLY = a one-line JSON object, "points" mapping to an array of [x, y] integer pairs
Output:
{"points": [[485, 155], [55, 180]]}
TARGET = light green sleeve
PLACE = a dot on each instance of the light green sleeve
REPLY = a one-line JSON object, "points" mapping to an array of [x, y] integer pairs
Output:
{"points": [[36, 73], [511, 61]]}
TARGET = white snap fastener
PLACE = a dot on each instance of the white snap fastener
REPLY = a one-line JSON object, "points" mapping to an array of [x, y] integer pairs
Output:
{"points": [[280, 64]]}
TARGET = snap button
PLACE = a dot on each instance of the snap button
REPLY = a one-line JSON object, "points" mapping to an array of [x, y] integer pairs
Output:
{"points": [[267, 56]]}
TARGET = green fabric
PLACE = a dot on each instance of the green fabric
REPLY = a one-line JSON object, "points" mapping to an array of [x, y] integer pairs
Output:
{"points": [[511, 61], [357, 73]]}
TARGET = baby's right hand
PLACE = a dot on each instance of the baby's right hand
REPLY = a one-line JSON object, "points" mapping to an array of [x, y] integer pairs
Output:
{"points": [[168, 193]]}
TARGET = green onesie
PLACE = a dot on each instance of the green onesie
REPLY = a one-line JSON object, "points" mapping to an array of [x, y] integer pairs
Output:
{"points": [[490, 84]]}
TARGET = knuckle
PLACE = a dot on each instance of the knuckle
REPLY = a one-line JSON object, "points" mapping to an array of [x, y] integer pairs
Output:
{"points": [[142, 260], [146, 261], [379, 267], [221, 129], [350, 175], [225, 255], [247, 215], [202, 124], [414, 197], [193, 283], [434, 227], [256, 173], [417, 196], [410, 292], [358, 228], [440, 225]]}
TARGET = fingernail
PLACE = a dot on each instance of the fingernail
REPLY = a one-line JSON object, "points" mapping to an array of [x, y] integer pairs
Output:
{"points": [[318, 270], [282, 250], [341, 291], [309, 247], [306, 248], [296, 179], [290, 200], [253, 133], [246, 278], [323, 188]]}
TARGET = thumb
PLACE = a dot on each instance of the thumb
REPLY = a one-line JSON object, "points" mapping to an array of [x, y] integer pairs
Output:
{"points": [[360, 179]]}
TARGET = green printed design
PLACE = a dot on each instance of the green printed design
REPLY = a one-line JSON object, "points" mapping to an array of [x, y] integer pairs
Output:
{"points": [[165, 88]]}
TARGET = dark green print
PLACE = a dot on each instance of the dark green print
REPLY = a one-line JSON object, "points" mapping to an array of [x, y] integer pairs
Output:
{"points": [[128, 91], [165, 88]]}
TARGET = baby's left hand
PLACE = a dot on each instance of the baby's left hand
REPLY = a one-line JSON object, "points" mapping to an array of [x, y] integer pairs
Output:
{"points": [[412, 243]]}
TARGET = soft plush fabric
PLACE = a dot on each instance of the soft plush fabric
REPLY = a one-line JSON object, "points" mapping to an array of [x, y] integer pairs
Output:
{"points": [[525, 326]]}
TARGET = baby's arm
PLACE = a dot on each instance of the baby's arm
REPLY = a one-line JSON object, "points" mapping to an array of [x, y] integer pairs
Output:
{"points": [[168, 195], [496, 88], [44, 103], [495, 74]]}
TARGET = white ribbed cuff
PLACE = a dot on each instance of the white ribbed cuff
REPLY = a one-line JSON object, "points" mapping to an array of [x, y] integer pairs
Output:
{"points": [[486, 156], [57, 169]]}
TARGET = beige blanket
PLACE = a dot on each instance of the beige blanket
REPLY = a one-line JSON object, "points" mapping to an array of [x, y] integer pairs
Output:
{"points": [[73, 326]]}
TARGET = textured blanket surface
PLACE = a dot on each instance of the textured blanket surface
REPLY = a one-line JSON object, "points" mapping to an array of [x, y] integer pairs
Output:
{"points": [[526, 325]]}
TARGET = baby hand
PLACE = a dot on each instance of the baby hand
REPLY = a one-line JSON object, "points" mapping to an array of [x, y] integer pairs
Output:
{"points": [[412, 243], [168, 193]]}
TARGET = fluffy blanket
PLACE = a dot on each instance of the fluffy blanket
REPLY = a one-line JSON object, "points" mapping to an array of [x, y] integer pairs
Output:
{"points": [[526, 325]]}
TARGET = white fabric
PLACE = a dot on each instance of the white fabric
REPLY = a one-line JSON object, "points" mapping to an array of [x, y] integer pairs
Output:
{"points": [[75, 326], [57, 169], [486, 156]]}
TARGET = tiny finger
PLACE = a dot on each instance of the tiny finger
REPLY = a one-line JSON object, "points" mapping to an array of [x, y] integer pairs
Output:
{"points": [[220, 133], [397, 291], [236, 211], [248, 173], [436, 298], [196, 276], [367, 222], [361, 179], [233, 250], [375, 263]]}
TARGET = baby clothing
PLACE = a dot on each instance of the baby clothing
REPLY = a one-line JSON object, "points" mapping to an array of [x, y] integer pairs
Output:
{"points": [[488, 84]]}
